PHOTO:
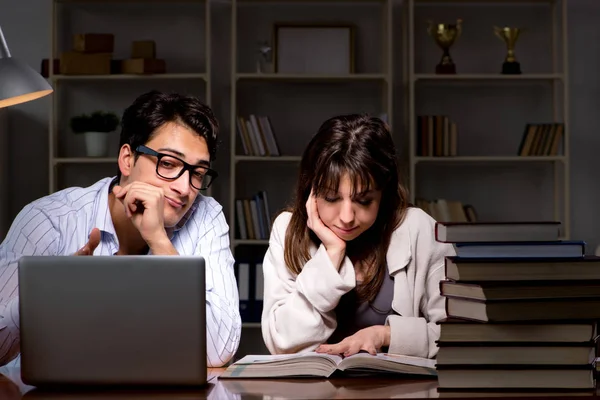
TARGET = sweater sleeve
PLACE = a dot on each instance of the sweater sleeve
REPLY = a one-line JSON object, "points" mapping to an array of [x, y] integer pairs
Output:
{"points": [[417, 335]]}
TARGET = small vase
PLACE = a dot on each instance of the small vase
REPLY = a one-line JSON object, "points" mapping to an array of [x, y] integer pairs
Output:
{"points": [[96, 144]]}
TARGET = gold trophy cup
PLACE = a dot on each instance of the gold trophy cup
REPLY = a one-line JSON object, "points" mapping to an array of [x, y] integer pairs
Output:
{"points": [[445, 35], [509, 35]]}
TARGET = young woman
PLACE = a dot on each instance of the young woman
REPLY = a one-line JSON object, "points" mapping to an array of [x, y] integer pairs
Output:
{"points": [[352, 266]]}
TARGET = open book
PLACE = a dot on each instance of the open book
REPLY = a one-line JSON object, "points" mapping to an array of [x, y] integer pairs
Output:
{"points": [[313, 364]]}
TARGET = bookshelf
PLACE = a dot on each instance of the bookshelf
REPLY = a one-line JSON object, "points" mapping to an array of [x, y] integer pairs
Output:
{"points": [[307, 99], [490, 109], [187, 71]]}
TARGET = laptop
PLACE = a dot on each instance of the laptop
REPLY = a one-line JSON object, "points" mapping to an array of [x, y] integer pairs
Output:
{"points": [[112, 320]]}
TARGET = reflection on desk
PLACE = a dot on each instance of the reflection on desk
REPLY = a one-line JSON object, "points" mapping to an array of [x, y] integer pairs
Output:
{"points": [[11, 388], [511, 395], [260, 389], [343, 388], [8, 389]]}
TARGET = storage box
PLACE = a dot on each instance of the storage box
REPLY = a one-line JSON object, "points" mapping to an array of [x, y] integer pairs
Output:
{"points": [[143, 49], [144, 66], [94, 42], [75, 63]]}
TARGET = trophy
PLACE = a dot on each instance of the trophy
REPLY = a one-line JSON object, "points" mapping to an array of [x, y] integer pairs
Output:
{"points": [[264, 58], [510, 36], [445, 35]]}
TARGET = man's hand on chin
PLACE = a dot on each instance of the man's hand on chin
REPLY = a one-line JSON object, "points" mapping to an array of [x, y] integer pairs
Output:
{"points": [[144, 206]]}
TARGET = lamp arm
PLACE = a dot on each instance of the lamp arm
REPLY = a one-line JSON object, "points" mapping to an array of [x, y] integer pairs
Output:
{"points": [[4, 52]]}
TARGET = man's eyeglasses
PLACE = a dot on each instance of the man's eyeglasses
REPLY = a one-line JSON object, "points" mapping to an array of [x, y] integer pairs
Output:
{"points": [[170, 167]]}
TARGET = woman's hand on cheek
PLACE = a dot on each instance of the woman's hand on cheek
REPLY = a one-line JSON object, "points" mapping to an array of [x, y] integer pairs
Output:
{"points": [[336, 247], [369, 339]]}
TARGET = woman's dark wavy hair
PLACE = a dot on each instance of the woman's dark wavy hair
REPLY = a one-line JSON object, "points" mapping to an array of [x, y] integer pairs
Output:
{"points": [[362, 147], [151, 110]]}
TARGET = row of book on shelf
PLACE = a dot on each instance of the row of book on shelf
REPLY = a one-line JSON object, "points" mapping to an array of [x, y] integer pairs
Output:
{"points": [[257, 136], [437, 136], [253, 217], [443, 210], [250, 281], [542, 140], [521, 309]]}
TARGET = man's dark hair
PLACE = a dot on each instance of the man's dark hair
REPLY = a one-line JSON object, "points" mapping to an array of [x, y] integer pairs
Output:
{"points": [[153, 109]]}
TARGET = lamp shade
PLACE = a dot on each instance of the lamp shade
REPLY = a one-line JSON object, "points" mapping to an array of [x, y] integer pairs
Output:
{"points": [[18, 81]]}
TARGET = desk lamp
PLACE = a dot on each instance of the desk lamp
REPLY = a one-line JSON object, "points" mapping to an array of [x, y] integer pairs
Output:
{"points": [[19, 83]]}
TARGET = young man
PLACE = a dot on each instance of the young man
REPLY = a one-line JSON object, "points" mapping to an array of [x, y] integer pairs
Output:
{"points": [[152, 206]]}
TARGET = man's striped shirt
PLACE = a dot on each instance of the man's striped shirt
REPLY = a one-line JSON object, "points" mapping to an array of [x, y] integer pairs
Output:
{"points": [[59, 224]]}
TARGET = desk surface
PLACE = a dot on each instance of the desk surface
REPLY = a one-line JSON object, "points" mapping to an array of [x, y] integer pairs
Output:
{"points": [[11, 388]]}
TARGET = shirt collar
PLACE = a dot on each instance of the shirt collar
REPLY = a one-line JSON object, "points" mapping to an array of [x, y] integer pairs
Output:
{"points": [[102, 217], [189, 213], [399, 253]]}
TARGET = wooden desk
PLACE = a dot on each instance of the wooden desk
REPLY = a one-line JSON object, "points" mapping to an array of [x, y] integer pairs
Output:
{"points": [[11, 388]]}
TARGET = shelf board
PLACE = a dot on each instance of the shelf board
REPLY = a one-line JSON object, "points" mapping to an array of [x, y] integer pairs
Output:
{"points": [[320, 2], [487, 77], [483, 2], [59, 77], [269, 158], [250, 324], [255, 242], [488, 159], [84, 160], [310, 77], [128, 1]]}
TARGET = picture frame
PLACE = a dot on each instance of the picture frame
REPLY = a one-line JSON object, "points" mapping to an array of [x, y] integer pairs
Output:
{"points": [[313, 48]]}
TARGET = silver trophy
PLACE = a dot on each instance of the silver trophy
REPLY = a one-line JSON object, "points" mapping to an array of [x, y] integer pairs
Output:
{"points": [[264, 58]]}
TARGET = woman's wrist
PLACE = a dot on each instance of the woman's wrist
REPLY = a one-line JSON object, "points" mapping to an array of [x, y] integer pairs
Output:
{"points": [[386, 335], [336, 256]]}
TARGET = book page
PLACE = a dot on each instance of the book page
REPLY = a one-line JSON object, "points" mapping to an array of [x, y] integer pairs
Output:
{"points": [[271, 358], [283, 365], [390, 363], [418, 361], [280, 389]]}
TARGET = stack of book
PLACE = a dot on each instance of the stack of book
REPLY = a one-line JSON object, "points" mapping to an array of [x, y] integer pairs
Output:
{"points": [[522, 307]]}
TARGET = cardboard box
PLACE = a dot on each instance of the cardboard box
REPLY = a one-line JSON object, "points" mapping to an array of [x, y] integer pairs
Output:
{"points": [[75, 63], [94, 42], [144, 66], [143, 49]]}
